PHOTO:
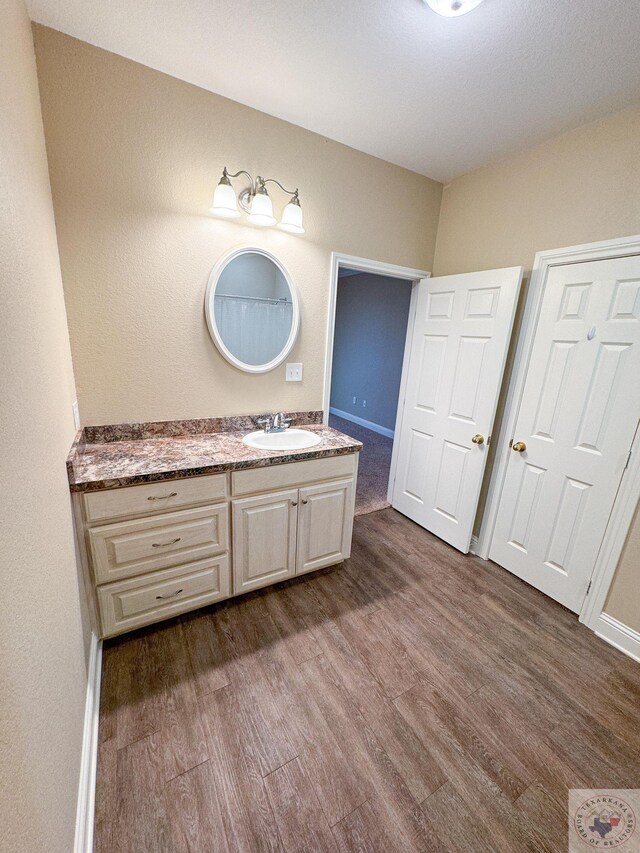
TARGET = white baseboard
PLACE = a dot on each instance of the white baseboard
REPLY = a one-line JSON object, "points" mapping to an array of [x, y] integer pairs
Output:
{"points": [[347, 416], [85, 811], [619, 635], [473, 547]]}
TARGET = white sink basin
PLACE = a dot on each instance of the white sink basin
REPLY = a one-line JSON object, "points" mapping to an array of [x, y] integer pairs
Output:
{"points": [[290, 439]]}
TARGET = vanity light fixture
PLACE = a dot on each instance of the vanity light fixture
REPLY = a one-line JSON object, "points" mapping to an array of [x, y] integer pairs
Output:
{"points": [[256, 202], [452, 8], [225, 203], [292, 216], [261, 209]]}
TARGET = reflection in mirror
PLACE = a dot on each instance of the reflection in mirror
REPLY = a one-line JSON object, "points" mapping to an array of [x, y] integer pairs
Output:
{"points": [[254, 311], [253, 308]]}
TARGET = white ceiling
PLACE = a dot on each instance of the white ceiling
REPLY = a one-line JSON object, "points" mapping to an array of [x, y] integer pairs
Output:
{"points": [[437, 95]]}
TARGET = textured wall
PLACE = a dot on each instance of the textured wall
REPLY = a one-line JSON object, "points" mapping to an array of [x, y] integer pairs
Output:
{"points": [[578, 188], [134, 157], [370, 333], [623, 602], [42, 666]]}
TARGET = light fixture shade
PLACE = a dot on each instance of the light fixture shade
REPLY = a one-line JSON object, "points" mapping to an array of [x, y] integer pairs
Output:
{"points": [[292, 218], [452, 8], [261, 212], [225, 203]]}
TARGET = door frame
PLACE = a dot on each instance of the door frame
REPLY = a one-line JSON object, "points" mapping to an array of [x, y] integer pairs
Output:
{"points": [[626, 499], [389, 271]]}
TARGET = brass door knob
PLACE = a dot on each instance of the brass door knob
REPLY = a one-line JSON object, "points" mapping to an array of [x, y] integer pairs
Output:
{"points": [[519, 447], [478, 439]]}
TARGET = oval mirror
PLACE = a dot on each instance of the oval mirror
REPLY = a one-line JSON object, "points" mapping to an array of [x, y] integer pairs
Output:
{"points": [[252, 310]]}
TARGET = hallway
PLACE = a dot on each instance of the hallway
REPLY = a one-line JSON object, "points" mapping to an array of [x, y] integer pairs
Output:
{"points": [[373, 467]]}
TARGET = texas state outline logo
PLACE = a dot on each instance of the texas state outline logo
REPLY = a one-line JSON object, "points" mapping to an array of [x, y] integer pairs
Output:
{"points": [[604, 820]]}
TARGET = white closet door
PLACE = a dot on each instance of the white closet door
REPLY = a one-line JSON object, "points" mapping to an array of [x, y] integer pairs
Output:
{"points": [[577, 418], [458, 351]]}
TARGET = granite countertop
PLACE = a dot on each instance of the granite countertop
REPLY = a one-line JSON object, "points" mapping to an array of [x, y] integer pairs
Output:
{"points": [[100, 459]]}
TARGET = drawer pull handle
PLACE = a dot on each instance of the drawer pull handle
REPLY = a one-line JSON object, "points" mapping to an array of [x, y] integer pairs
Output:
{"points": [[165, 544], [171, 594], [162, 497]]}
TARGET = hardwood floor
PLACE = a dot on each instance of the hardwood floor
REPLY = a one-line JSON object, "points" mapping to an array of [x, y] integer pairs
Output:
{"points": [[413, 699]]}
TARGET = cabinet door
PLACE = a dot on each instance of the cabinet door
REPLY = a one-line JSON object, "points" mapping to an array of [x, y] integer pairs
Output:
{"points": [[264, 539], [325, 525]]}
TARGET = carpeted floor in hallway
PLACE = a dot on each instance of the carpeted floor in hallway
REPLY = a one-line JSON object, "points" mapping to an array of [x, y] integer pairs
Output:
{"points": [[373, 467]]}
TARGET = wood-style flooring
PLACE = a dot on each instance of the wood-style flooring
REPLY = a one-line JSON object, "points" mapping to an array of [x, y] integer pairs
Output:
{"points": [[411, 699]]}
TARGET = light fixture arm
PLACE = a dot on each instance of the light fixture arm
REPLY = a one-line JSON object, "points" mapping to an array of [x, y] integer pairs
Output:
{"points": [[244, 198], [292, 193], [225, 174]]}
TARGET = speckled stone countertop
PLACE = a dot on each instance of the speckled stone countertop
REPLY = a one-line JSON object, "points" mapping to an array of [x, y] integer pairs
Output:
{"points": [[130, 454]]}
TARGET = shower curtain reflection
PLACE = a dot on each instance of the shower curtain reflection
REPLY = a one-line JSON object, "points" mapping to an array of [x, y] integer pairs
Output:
{"points": [[254, 329]]}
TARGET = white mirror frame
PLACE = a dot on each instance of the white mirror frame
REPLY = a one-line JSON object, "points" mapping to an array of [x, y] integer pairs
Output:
{"points": [[211, 321]]}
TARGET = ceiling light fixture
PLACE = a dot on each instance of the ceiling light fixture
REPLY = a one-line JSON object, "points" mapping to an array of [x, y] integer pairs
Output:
{"points": [[452, 8], [256, 202]]}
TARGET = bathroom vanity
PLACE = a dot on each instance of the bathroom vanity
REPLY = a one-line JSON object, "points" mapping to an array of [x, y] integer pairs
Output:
{"points": [[175, 515]]}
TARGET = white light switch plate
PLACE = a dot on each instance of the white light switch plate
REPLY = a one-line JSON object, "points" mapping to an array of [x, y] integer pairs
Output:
{"points": [[294, 373]]}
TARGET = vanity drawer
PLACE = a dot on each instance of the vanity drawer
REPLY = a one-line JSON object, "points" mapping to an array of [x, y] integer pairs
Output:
{"points": [[154, 497], [129, 604], [273, 477], [131, 548]]}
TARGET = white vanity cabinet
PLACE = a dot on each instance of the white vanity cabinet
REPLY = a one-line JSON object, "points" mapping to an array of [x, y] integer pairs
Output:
{"points": [[264, 539], [325, 523], [159, 549], [291, 519], [281, 534]]}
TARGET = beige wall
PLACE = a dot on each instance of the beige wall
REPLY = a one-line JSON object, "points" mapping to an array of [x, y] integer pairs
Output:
{"points": [[578, 188], [42, 666], [623, 602], [134, 157]]}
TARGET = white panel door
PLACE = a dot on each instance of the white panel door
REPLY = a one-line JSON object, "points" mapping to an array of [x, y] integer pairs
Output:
{"points": [[458, 351], [577, 419], [264, 539]]}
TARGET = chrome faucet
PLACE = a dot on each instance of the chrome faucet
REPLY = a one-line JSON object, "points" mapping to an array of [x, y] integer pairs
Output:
{"points": [[281, 421], [275, 423], [266, 423]]}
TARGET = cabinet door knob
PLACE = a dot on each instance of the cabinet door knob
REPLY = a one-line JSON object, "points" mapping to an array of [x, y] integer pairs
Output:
{"points": [[519, 447], [294, 503], [305, 501], [478, 439]]}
